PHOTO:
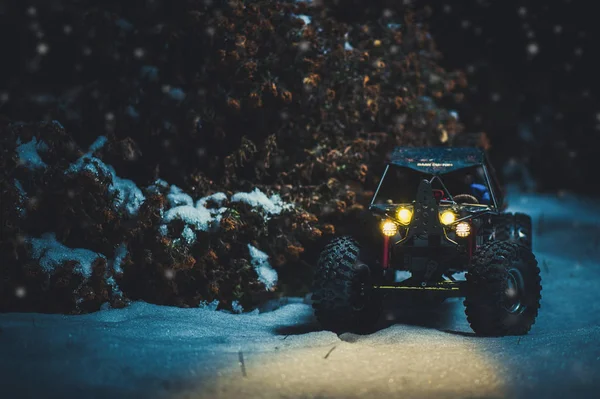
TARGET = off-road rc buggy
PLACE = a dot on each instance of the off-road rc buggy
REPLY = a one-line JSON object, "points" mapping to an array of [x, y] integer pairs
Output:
{"points": [[437, 212]]}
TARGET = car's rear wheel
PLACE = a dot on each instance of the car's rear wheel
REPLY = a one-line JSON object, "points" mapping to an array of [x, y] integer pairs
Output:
{"points": [[343, 297], [503, 290]]}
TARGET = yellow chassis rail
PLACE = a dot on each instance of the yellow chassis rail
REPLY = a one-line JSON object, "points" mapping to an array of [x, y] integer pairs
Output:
{"points": [[448, 288]]}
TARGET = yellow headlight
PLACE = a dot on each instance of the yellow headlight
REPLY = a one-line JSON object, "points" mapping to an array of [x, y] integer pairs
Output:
{"points": [[404, 215], [463, 229], [389, 228], [447, 217]]}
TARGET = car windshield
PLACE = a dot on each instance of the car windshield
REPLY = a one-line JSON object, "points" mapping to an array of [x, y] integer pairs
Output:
{"points": [[400, 185]]}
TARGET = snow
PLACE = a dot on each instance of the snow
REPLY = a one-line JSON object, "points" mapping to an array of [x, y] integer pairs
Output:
{"points": [[177, 197], [156, 351], [163, 229], [200, 217], [218, 198], [150, 72], [257, 199], [20, 188], [188, 235], [29, 156], [52, 254], [97, 144], [113, 284], [128, 193], [236, 307], [211, 306], [120, 254], [176, 94], [129, 196], [260, 261], [132, 112], [533, 48], [307, 20]]}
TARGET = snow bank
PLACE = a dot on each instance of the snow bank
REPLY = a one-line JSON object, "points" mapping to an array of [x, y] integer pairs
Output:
{"points": [[28, 154], [260, 261], [52, 254], [258, 199], [129, 196]]}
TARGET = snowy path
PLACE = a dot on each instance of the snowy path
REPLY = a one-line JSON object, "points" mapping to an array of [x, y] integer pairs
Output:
{"points": [[150, 351]]}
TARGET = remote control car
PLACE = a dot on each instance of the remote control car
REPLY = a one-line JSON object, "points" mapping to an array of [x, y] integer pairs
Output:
{"points": [[437, 213]]}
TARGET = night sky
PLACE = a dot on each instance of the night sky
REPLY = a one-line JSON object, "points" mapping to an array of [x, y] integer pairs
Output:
{"points": [[533, 73]]}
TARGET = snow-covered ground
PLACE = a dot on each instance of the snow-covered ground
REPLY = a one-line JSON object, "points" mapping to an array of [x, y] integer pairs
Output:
{"points": [[151, 351]]}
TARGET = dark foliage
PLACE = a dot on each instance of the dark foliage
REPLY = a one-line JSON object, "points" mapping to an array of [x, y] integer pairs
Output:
{"points": [[215, 97]]}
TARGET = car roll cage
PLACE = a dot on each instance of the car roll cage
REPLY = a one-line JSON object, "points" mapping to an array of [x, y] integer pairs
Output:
{"points": [[488, 180]]}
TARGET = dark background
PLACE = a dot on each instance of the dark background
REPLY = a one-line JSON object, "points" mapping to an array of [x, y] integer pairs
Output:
{"points": [[532, 70]]}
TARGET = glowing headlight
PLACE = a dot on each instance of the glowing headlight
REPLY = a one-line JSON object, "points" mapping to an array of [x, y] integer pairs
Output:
{"points": [[447, 217], [389, 228], [404, 215], [463, 229]]}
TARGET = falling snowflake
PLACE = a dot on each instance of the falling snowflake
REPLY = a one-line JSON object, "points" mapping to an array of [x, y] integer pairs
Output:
{"points": [[558, 29], [67, 29], [511, 292], [465, 24], [31, 11], [578, 51], [87, 51], [170, 274], [4, 96], [138, 52], [496, 97], [387, 13], [530, 34], [522, 11], [304, 45], [447, 9], [533, 48], [109, 116], [20, 292], [43, 48], [210, 31]]}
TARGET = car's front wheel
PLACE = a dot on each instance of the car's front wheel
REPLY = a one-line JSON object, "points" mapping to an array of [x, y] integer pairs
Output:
{"points": [[503, 290], [343, 297]]}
